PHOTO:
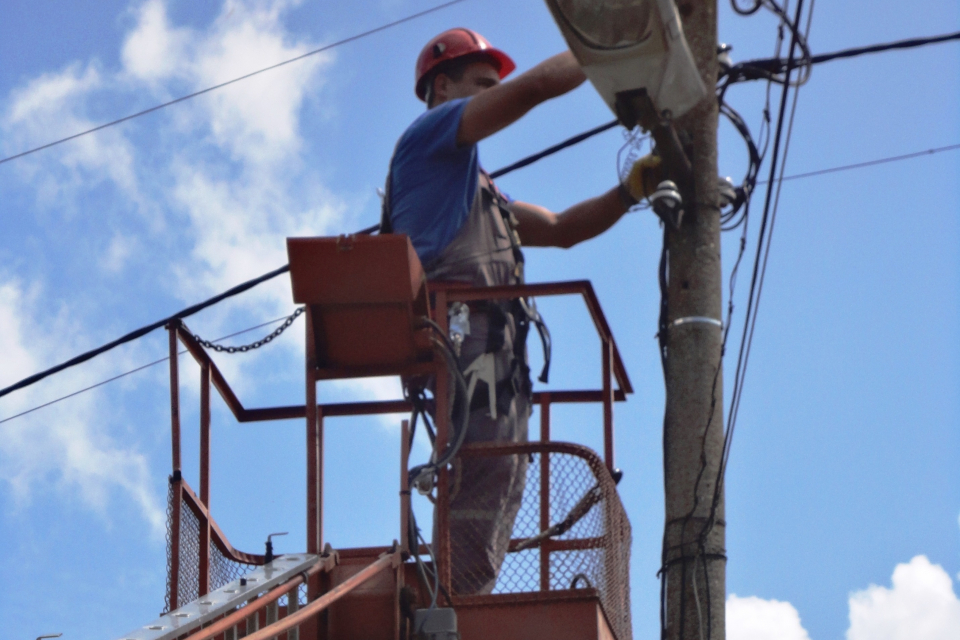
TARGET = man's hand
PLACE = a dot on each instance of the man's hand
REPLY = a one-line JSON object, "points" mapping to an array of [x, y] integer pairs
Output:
{"points": [[500, 106], [539, 227], [644, 177]]}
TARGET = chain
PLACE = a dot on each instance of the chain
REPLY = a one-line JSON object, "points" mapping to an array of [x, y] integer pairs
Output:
{"points": [[254, 345]]}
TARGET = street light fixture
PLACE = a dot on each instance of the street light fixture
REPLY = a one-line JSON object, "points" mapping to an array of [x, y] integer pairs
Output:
{"points": [[629, 48]]}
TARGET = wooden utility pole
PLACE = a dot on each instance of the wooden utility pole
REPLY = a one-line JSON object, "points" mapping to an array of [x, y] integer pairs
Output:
{"points": [[694, 559]]}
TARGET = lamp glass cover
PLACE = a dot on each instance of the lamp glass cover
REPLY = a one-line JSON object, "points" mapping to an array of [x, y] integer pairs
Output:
{"points": [[608, 24]]}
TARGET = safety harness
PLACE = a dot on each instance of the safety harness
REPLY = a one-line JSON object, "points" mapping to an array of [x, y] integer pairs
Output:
{"points": [[523, 311]]}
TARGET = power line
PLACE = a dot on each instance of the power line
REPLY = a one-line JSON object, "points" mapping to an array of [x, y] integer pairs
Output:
{"points": [[869, 163], [890, 46], [249, 284], [764, 240], [132, 371], [753, 303], [229, 82], [764, 67], [500, 172], [770, 65], [569, 142], [142, 331]]}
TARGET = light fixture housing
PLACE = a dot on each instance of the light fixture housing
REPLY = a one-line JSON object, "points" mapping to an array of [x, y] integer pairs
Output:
{"points": [[629, 46]]}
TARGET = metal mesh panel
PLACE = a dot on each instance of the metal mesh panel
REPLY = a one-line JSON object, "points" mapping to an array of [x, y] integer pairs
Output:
{"points": [[222, 568], [166, 593], [301, 596], [584, 543]]}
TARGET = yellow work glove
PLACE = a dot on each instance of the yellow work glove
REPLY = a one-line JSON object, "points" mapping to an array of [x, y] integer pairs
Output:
{"points": [[645, 175]]}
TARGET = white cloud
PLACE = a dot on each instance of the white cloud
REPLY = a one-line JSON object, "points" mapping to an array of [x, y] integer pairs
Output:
{"points": [[257, 119], [369, 389], [223, 181], [243, 187], [382, 388], [118, 251], [67, 446], [239, 229], [154, 50], [46, 94], [921, 605], [18, 362], [52, 106], [753, 618]]}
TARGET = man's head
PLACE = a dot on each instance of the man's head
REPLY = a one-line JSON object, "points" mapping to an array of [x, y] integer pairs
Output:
{"points": [[461, 79], [457, 64]]}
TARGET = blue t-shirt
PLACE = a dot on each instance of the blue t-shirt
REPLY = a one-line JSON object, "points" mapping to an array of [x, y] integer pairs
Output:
{"points": [[433, 180]]}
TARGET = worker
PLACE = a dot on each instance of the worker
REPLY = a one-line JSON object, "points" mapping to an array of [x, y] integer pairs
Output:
{"points": [[465, 229]]}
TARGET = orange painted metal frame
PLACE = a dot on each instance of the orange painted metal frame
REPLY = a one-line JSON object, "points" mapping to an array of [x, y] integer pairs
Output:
{"points": [[548, 545], [613, 369]]}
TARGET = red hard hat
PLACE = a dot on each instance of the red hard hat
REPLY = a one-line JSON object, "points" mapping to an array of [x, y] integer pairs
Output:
{"points": [[453, 44]]}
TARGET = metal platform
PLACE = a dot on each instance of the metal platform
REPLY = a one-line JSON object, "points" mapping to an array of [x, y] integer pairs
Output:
{"points": [[566, 575]]}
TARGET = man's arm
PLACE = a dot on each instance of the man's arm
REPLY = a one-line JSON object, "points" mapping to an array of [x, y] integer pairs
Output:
{"points": [[539, 227], [497, 107]]}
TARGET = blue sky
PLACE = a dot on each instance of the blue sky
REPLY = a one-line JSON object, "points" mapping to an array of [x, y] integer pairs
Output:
{"points": [[843, 494]]}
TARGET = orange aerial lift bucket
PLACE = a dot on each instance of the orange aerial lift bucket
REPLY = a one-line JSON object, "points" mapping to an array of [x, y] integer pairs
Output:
{"points": [[566, 573]]}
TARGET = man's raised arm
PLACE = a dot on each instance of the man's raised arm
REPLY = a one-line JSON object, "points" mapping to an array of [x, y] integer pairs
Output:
{"points": [[502, 105]]}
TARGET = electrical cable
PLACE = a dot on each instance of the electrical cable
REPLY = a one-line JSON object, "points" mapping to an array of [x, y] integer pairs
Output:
{"points": [[549, 151], [701, 535], [753, 298], [755, 159], [868, 163], [432, 325], [132, 371], [743, 71], [417, 397], [439, 460], [254, 282], [766, 68], [332, 45], [731, 423], [142, 331], [728, 219], [517, 165], [421, 568], [138, 333], [764, 242], [804, 64], [460, 413], [462, 408], [757, 4], [909, 43]]}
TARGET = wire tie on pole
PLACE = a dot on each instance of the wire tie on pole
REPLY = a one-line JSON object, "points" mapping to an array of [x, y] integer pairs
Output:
{"points": [[695, 320]]}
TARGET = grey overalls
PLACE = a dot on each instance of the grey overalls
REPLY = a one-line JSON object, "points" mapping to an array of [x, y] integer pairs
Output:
{"points": [[486, 492]]}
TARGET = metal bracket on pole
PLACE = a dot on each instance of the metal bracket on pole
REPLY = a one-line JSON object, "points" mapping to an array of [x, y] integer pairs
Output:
{"points": [[696, 320], [635, 107]]}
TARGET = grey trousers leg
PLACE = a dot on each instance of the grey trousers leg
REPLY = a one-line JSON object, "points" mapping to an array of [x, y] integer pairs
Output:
{"points": [[486, 494]]}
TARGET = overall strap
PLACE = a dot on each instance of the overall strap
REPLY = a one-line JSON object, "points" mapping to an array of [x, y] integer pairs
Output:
{"points": [[508, 222], [523, 310]]}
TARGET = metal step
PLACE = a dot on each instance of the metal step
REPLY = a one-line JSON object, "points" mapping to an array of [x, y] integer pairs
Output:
{"points": [[224, 600]]}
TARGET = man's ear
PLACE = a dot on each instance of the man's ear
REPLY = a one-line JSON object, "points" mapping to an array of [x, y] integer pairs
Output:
{"points": [[441, 88]]}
